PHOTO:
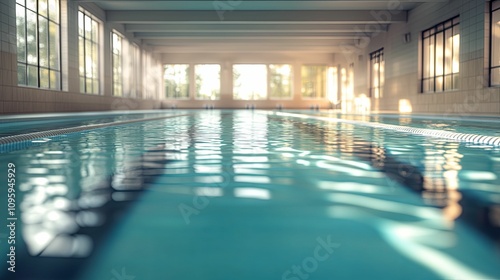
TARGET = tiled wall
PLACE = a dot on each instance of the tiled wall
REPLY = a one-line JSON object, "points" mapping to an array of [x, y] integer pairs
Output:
{"points": [[8, 43], [20, 99], [402, 62]]}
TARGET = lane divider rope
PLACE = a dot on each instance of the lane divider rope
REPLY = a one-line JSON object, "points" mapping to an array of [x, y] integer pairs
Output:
{"points": [[43, 135], [460, 137]]}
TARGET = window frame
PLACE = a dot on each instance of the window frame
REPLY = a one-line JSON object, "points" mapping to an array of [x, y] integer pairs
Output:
{"points": [[433, 31], [494, 7], [379, 57], [39, 67], [99, 57]]}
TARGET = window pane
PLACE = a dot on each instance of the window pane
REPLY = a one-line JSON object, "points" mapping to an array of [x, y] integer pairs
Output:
{"points": [[313, 81], [21, 74], [55, 79], [377, 72], [21, 33], [280, 82], [89, 56], [95, 31], [117, 64], [117, 44], [207, 80], [426, 67], [439, 83], [31, 4], [32, 76], [439, 54], [54, 42], [44, 78], [448, 51], [95, 61], [432, 56], [382, 73], [81, 54], [54, 10], [42, 8], [88, 27], [80, 24], [456, 53], [176, 78], [89, 86], [31, 38], [88, 59], [43, 41], [249, 81]]}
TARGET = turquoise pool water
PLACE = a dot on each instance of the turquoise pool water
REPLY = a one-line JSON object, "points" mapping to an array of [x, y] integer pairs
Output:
{"points": [[250, 195]]}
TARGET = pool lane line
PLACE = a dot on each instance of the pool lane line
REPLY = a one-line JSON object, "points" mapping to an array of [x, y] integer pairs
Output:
{"points": [[460, 137], [56, 132]]}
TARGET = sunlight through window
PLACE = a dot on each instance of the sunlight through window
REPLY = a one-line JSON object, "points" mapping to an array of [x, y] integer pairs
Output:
{"points": [[313, 81], [207, 81], [249, 81], [280, 83]]}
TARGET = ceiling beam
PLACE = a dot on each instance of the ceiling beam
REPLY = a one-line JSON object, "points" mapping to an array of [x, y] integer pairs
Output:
{"points": [[367, 17], [231, 36], [245, 49], [251, 28]]}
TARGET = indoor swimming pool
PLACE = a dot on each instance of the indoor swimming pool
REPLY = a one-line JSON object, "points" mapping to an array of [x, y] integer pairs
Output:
{"points": [[250, 194]]}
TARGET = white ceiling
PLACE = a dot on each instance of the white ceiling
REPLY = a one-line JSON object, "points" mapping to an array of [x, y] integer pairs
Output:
{"points": [[214, 26]]}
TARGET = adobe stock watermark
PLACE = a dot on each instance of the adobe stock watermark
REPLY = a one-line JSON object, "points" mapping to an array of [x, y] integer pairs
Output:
{"points": [[222, 7], [201, 199], [322, 252], [121, 275], [470, 103], [382, 18]]}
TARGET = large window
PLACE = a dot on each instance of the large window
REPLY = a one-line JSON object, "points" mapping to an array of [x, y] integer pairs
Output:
{"points": [[280, 81], [135, 70], [116, 47], [440, 59], [249, 81], [88, 39], [313, 81], [38, 43], [207, 80], [176, 77], [377, 66], [495, 43]]}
